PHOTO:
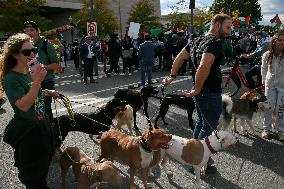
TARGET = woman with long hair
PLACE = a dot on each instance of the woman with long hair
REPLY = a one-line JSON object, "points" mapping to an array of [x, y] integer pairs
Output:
{"points": [[273, 78], [29, 131]]}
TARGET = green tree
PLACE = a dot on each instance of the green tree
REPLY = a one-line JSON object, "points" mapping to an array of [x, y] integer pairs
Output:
{"points": [[106, 20], [246, 8], [15, 12], [143, 13], [200, 18]]}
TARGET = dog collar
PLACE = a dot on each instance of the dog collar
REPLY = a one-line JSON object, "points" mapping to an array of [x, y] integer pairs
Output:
{"points": [[144, 145], [209, 146]]}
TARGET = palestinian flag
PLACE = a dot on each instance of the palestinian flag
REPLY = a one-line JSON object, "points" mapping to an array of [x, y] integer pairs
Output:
{"points": [[244, 20], [276, 22], [207, 26]]}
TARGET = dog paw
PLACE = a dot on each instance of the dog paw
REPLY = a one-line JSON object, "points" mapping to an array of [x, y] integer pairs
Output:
{"points": [[169, 173], [148, 185]]}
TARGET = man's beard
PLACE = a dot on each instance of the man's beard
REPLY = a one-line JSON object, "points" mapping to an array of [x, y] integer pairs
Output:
{"points": [[222, 34]]}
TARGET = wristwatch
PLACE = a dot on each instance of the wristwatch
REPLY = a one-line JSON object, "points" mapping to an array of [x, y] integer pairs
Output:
{"points": [[173, 76]]}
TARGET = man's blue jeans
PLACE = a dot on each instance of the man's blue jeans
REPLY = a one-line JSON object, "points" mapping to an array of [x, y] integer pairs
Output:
{"points": [[209, 109], [146, 70]]}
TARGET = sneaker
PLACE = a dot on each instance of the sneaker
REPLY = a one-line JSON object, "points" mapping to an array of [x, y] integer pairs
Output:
{"points": [[2, 101], [265, 134], [281, 136], [130, 74], [122, 74], [211, 169]]}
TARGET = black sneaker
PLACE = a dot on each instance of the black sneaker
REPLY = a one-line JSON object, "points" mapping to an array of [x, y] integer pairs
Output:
{"points": [[211, 169], [2, 101]]}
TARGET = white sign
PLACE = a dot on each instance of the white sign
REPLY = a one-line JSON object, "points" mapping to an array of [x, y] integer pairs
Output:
{"points": [[134, 30], [92, 29]]}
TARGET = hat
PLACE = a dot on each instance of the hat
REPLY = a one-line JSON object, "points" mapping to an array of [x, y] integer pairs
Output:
{"points": [[30, 24]]}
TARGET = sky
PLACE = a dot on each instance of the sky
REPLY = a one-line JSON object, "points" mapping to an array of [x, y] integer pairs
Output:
{"points": [[268, 8]]}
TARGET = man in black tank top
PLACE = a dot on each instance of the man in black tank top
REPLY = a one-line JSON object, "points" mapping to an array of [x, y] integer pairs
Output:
{"points": [[207, 57]]}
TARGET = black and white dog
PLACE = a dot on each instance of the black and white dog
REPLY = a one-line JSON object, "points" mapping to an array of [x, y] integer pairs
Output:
{"points": [[240, 108], [181, 101], [89, 123]]}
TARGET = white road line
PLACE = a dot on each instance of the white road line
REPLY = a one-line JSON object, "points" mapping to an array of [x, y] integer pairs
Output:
{"points": [[91, 102], [124, 86]]}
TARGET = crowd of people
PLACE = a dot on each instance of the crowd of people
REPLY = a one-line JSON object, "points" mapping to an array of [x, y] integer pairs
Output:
{"points": [[30, 93]]}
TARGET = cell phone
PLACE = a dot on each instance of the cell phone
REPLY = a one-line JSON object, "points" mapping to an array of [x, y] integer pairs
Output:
{"points": [[34, 65]]}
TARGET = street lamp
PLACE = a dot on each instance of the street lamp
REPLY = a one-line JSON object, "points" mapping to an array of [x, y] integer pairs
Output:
{"points": [[72, 29], [191, 7]]}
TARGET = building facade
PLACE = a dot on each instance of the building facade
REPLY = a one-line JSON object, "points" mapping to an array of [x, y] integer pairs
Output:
{"points": [[59, 11]]}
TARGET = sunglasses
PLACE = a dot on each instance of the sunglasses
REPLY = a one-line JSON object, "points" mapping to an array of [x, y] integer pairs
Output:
{"points": [[27, 52]]}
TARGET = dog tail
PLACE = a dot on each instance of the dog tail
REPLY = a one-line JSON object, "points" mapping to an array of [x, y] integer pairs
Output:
{"points": [[227, 104]]}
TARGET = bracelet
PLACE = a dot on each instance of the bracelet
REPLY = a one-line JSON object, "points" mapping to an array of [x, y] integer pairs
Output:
{"points": [[173, 76]]}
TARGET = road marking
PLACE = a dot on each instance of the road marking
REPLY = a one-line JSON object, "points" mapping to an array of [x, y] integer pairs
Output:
{"points": [[184, 78], [91, 101]]}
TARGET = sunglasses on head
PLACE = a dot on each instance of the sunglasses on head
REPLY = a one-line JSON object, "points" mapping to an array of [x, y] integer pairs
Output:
{"points": [[27, 52]]}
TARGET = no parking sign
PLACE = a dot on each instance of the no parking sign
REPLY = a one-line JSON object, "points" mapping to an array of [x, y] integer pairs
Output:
{"points": [[92, 29]]}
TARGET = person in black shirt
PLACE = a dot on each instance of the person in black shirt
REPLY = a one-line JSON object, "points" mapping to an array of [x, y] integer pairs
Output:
{"points": [[207, 78]]}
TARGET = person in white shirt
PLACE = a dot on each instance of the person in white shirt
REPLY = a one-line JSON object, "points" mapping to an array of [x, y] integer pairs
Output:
{"points": [[272, 69]]}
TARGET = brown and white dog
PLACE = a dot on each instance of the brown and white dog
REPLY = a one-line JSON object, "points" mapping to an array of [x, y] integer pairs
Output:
{"points": [[136, 152], [195, 152], [86, 171]]}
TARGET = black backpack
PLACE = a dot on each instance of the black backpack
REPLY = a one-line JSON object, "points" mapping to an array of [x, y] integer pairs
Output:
{"points": [[197, 48], [44, 49]]}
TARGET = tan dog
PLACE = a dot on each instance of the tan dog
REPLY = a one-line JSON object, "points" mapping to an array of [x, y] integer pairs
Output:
{"points": [[125, 118], [86, 172], [136, 152]]}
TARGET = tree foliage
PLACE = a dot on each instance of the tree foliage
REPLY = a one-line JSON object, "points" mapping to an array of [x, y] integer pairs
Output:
{"points": [[246, 8], [106, 20], [200, 18], [143, 13], [15, 12]]}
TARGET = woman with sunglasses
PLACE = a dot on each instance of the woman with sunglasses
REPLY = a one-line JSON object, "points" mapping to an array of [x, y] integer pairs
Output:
{"points": [[29, 131]]}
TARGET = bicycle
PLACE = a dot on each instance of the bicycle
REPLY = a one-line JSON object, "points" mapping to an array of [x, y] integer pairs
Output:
{"points": [[238, 78]]}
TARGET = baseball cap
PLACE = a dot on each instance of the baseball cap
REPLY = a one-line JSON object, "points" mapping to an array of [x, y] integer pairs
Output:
{"points": [[30, 24]]}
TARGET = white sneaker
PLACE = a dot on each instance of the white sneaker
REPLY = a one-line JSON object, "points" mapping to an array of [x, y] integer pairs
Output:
{"points": [[281, 136], [265, 134], [122, 74], [130, 74]]}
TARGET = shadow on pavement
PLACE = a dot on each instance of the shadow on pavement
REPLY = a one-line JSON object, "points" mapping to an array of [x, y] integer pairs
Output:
{"points": [[262, 152]]}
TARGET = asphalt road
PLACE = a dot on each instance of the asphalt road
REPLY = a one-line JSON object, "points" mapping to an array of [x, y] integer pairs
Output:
{"points": [[254, 163]]}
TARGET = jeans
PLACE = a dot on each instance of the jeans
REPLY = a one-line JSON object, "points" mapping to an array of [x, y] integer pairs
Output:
{"points": [[146, 70], [48, 99], [88, 69], [275, 100], [209, 109]]}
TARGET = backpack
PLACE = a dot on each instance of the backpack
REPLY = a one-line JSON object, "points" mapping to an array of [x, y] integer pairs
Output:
{"points": [[197, 48], [44, 49]]}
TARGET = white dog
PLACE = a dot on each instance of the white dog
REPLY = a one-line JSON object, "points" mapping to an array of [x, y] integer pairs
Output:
{"points": [[195, 152]]}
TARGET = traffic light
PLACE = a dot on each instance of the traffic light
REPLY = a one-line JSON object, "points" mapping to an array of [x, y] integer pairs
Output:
{"points": [[192, 4]]}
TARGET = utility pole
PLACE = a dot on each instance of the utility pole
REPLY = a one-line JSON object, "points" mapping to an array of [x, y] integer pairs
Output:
{"points": [[191, 6], [120, 24], [91, 10]]}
